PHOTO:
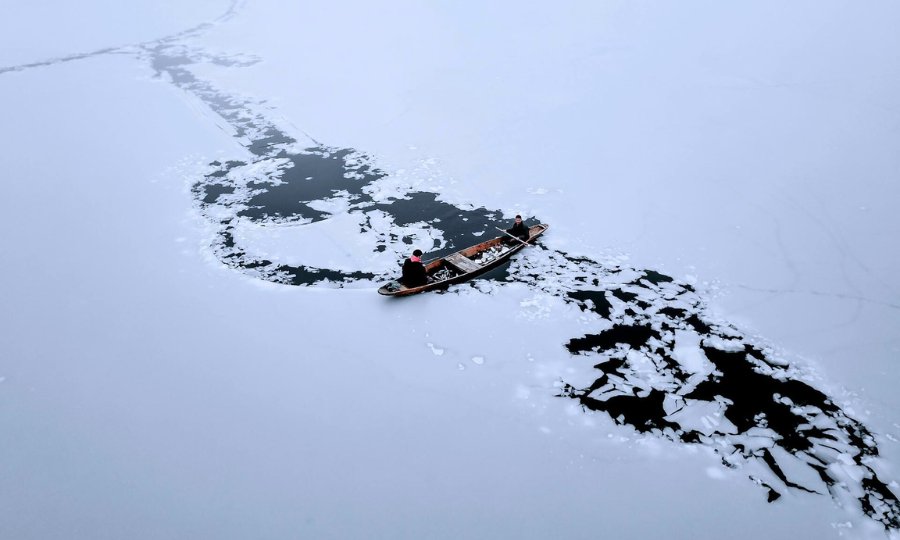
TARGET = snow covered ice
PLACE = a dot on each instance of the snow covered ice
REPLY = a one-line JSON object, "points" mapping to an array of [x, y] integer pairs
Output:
{"points": [[202, 199]]}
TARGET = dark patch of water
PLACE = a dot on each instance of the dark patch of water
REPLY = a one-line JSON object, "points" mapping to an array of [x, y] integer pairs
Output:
{"points": [[460, 228], [674, 313], [634, 336], [306, 275], [320, 173], [656, 278], [268, 138], [316, 175], [624, 296], [643, 411], [598, 301], [212, 192]]}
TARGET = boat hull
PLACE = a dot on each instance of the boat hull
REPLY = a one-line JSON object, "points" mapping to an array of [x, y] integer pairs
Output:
{"points": [[465, 264]]}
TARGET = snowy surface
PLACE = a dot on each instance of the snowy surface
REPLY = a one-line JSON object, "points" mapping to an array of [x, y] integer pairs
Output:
{"points": [[151, 387]]}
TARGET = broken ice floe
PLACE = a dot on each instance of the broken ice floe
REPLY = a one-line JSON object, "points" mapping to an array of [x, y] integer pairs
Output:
{"points": [[666, 369]]}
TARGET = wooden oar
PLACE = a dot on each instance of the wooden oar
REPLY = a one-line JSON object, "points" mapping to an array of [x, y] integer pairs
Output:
{"points": [[511, 236]]}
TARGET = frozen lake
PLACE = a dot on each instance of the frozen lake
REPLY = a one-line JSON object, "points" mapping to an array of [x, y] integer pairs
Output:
{"points": [[702, 345]]}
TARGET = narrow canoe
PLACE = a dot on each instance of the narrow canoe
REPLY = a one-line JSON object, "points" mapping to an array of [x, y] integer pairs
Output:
{"points": [[465, 263]]}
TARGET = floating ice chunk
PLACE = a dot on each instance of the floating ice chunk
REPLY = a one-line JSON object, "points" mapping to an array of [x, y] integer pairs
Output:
{"points": [[672, 404], [727, 345], [267, 171], [688, 354], [340, 203], [478, 360], [851, 472], [437, 351], [484, 286], [220, 213], [538, 191], [702, 416], [797, 471], [460, 366]]}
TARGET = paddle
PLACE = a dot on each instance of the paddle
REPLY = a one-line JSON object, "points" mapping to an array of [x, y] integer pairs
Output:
{"points": [[511, 236]]}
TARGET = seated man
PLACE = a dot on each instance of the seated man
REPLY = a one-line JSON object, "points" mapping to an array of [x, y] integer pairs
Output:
{"points": [[519, 230], [414, 271]]}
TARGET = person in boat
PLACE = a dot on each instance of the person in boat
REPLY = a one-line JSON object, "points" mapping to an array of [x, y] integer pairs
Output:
{"points": [[414, 273], [519, 230]]}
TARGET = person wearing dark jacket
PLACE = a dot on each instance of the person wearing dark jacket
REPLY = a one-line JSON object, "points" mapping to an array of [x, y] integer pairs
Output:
{"points": [[519, 230], [414, 271]]}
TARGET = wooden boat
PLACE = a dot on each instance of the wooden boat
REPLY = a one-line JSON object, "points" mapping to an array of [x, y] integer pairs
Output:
{"points": [[466, 263]]}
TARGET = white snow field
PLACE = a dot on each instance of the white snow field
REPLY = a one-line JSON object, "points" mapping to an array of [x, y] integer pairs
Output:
{"points": [[158, 379]]}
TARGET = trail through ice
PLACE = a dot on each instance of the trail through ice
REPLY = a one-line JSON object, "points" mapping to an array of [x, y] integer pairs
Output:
{"points": [[664, 366]]}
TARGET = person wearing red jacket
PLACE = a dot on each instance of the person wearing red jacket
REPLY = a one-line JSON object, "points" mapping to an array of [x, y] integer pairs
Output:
{"points": [[414, 271]]}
